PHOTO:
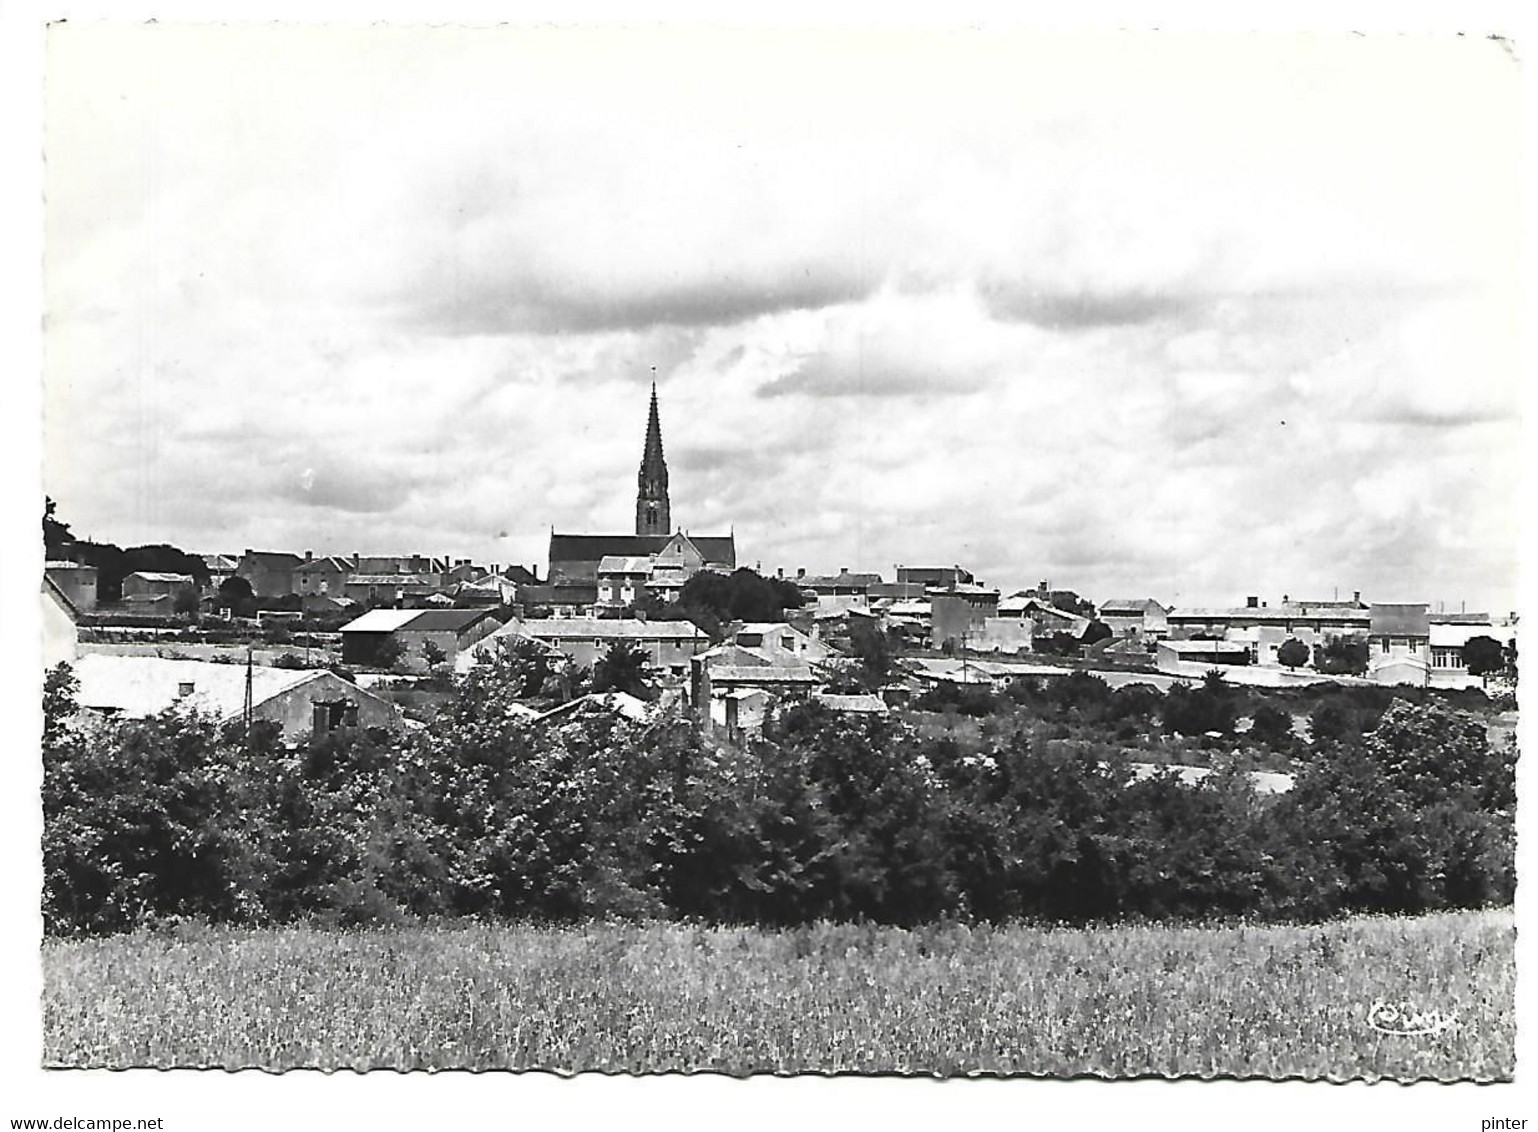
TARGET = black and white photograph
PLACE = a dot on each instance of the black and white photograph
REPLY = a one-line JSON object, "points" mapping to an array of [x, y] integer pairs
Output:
{"points": [[986, 552]]}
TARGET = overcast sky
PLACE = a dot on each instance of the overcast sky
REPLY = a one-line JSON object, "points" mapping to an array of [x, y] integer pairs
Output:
{"points": [[1140, 314]]}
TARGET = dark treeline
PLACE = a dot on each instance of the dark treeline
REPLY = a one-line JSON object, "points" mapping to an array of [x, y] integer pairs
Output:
{"points": [[825, 817], [112, 562]]}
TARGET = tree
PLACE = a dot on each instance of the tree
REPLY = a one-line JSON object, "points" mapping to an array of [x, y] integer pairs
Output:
{"points": [[1292, 654], [1341, 656], [742, 595], [1271, 727], [433, 655], [388, 652], [1196, 711], [622, 669], [1483, 656], [1434, 753], [185, 601], [165, 559], [870, 648], [57, 539], [235, 594]]}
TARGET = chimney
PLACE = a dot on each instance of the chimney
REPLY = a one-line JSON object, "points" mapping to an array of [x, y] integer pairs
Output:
{"points": [[1356, 596], [1285, 599], [309, 556], [1252, 602], [184, 689], [800, 571], [779, 571], [1041, 586], [843, 569]]}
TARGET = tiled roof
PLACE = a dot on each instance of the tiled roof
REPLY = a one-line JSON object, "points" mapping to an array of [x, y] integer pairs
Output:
{"points": [[1129, 605], [1290, 611], [734, 655], [1400, 620], [446, 620], [1204, 646], [620, 703], [762, 674], [143, 685], [629, 628], [899, 590], [393, 580], [162, 576], [380, 621], [1459, 618], [273, 559], [416, 620], [844, 580], [330, 562], [396, 564], [866, 703]]}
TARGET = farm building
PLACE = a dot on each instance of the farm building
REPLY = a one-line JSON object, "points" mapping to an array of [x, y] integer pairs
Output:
{"points": [[960, 614], [147, 586], [302, 701], [1172, 654], [76, 582], [414, 634], [668, 645], [777, 641], [1135, 617], [1399, 644]]}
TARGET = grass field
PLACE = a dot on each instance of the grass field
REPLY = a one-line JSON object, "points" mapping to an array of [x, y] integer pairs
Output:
{"points": [[1115, 1001]]}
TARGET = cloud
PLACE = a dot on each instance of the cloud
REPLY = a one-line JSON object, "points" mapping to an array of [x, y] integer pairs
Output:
{"points": [[957, 298], [356, 486], [1078, 309], [903, 345], [823, 377], [570, 304]]}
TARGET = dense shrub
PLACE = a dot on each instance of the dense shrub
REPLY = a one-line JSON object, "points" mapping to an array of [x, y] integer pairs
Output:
{"points": [[826, 816]]}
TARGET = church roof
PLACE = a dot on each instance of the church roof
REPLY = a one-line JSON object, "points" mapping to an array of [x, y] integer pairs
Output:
{"points": [[721, 549]]}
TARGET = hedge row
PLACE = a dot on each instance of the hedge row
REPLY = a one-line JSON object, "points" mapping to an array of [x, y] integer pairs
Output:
{"points": [[826, 817]]}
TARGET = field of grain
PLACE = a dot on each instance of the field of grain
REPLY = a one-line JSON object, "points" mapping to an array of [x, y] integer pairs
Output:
{"points": [[1277, 1001]]}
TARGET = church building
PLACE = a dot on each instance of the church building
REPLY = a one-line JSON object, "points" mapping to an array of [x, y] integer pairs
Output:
{"points": [[657, 559]]}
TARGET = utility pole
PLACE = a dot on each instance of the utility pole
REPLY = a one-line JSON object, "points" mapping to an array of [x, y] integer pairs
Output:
{"points": [[246, 713]]}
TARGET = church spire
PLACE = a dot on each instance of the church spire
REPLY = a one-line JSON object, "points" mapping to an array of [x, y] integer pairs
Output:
{"points": [[652, 515]]}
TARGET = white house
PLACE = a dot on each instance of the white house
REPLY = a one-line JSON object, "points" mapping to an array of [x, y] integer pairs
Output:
{"points": [[301, 700]]}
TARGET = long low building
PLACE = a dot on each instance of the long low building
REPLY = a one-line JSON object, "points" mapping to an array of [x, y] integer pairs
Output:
{"points": [[1297, 618], [1170, 654], [415, 634], [668, 645], [301, 701]]}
